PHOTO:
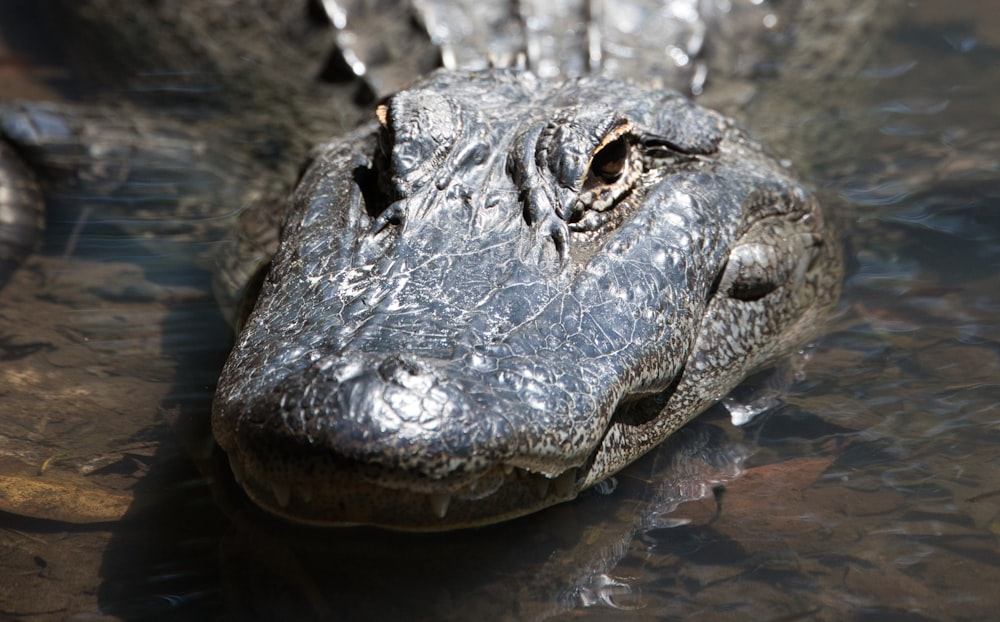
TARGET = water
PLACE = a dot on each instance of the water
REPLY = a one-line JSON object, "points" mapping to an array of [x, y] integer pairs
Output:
{"points": [[871, 492]]}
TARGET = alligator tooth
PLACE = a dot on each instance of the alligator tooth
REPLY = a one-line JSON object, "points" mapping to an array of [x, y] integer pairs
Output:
{"points": [[439, 504], [282, 493], [565, 483], [541, 484]]}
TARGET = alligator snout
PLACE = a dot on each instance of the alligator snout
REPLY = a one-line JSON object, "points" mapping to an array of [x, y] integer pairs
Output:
{"points": [[393, 440]]}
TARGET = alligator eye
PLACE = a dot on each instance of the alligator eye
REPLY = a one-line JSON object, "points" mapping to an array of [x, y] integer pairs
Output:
{"points": [[611, 173], [609, 161], [750, 289], [753, 271]]}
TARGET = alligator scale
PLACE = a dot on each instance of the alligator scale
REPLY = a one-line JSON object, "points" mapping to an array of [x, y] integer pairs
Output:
{"points": [[512, 282]]}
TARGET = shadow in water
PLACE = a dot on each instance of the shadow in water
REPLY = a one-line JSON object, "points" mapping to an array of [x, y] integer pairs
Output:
{"points": [[162, 561], [196, 547]]}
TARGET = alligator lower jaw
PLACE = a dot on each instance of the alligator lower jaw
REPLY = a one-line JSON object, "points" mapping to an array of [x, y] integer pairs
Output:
{"points": [[339, 499]]}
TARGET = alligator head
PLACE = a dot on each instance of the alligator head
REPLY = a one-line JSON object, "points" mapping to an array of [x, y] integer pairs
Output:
{"points": [[507, 290]]}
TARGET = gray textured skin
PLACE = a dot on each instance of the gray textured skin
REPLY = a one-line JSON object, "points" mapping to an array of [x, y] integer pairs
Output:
{"points": [[466, 322]]}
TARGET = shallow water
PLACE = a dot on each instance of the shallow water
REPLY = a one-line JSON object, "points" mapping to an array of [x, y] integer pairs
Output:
{"points": [[871, 492]]}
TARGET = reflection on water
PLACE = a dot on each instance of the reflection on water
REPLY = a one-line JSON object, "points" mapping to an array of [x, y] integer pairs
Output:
{"points": [[872, 492]]}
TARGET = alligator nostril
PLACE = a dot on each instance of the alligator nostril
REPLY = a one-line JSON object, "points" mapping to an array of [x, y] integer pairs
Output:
{"points": [[402, 370]]}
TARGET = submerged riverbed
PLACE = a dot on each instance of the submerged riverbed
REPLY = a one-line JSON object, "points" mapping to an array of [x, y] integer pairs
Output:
{"points": [[872, 491]]}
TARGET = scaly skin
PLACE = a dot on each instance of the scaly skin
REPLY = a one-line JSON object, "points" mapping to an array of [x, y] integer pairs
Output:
{"points": [[508, 291]]}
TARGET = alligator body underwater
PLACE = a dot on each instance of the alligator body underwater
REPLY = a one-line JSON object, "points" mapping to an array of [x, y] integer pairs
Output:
{"points": [[508, 287]]}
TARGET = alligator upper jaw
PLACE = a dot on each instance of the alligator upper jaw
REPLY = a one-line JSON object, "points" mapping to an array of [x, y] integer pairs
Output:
{"points": [[295, 474], [459, 464], [401, 444]]}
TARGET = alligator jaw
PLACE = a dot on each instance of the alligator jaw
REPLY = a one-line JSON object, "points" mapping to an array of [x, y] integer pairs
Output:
{"points": [[502, 493]]}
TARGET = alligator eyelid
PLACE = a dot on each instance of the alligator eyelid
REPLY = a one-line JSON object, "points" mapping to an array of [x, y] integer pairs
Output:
{"points": [[659, 145], [751, 273]]}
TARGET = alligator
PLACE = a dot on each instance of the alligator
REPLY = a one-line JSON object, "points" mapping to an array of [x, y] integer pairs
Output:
{"points": [[509, 285]]}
